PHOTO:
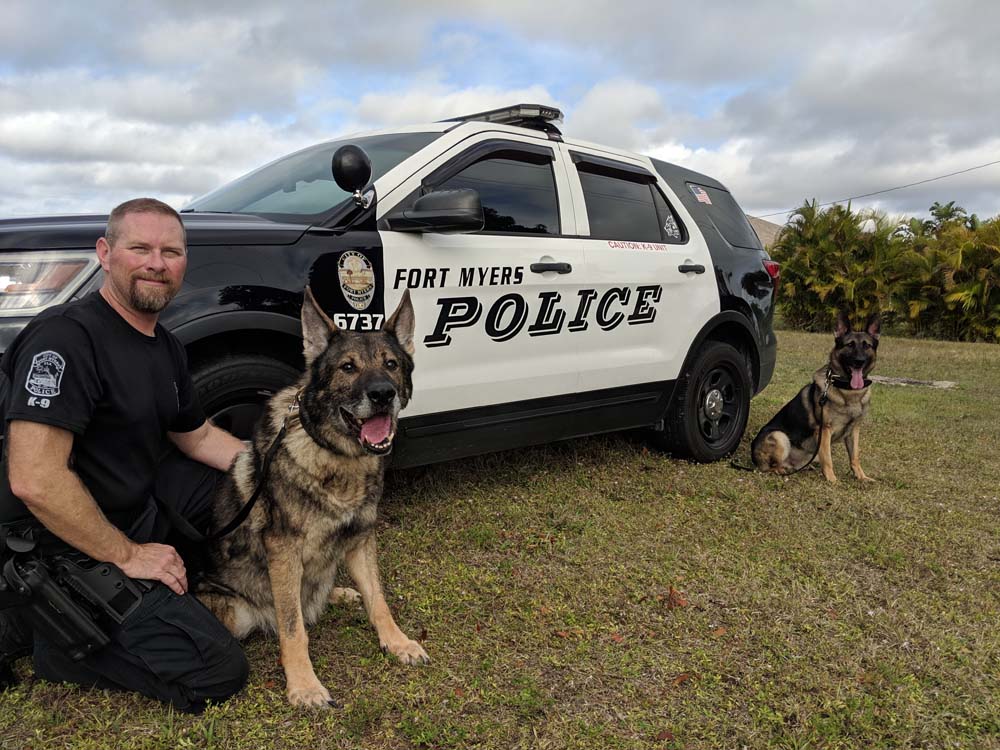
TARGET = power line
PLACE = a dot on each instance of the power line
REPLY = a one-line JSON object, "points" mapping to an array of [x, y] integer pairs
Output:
{"points": [[889, 190]]}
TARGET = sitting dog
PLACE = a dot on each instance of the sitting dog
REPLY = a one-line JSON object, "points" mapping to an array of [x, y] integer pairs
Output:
{"points": [[319, 498], [831, 407]]}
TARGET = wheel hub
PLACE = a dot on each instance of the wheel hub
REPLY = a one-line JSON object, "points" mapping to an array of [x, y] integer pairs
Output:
{"points": [[713, 404]]}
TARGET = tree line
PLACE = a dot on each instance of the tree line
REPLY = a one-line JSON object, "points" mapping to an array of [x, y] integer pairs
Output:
{"points": [[937, 277]]}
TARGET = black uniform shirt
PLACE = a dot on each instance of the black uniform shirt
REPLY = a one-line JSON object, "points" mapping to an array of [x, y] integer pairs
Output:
{"points": [[82, 367]]}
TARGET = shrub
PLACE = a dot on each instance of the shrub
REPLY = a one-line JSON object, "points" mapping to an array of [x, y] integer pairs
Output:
{"points": [[835, 259], [939, 277]]}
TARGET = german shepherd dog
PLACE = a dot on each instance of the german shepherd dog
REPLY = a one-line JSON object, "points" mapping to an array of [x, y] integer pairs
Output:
{"points": [[831, 407], [318, 504]]}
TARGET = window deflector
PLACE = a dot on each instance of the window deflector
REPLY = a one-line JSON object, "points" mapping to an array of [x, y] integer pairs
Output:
{"points": [[486, 150], [610, 168]]}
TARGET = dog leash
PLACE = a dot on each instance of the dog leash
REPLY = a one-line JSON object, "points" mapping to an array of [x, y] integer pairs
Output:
{"points": [[190, 532], [823, 398]]}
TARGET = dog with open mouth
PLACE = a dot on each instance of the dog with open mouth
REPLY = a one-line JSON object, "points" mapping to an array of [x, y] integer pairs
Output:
{"points": [[318, 503], [830, 408]]}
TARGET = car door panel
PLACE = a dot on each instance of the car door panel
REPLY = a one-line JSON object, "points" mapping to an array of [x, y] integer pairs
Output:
{"points": [[653, 307], [489, 329]]}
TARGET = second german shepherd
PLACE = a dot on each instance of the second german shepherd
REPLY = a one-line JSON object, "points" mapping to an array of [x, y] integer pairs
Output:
{"points": [[318, 504], [831, 407]]}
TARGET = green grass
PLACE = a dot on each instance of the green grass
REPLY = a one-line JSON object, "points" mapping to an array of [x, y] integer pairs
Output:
{"points": [[594, 594]]}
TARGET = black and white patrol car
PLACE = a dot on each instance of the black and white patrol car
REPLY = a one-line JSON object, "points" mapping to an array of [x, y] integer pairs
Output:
{"points": [[561, 288]]}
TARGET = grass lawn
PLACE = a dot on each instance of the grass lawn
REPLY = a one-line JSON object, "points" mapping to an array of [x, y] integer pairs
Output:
{"points": [[593, 594]]}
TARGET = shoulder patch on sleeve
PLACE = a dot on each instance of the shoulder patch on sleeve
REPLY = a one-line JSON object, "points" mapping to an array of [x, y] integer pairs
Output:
{"points": [[46, 374]]}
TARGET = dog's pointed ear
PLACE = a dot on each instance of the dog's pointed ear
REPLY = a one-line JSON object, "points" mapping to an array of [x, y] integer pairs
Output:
{"points": [[843, 326], [874, 325], [317, 328], [401, 323]]}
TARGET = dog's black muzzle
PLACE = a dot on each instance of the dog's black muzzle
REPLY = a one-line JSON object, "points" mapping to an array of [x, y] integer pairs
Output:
{"points": [[381, 394], [373, 420], [849, 363]]}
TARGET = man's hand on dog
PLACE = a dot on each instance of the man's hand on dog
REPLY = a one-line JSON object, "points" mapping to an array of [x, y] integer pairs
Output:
{"points": [[157, 562]]}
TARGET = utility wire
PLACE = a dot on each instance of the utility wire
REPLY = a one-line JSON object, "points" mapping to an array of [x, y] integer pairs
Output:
{"points": [[889, 190]]}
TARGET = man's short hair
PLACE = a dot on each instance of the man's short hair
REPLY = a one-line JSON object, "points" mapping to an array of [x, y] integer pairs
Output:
{"points": [[138, 206]]}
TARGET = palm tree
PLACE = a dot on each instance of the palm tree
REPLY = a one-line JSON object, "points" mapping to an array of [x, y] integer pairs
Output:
{"points": [[946, 213]]}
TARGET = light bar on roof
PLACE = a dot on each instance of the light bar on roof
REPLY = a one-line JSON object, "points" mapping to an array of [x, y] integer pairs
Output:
{"points": [[515, 115]]}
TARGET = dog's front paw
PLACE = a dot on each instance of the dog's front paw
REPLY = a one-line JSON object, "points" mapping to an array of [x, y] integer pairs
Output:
{"points": [[344, 596], [311, 695], [862, 477], [407, 651]]}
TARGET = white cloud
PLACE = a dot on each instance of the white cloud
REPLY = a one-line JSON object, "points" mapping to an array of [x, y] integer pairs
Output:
{"points": [[73, 162], [779, 101], [83, 136], [435, 101], [615, 111]]}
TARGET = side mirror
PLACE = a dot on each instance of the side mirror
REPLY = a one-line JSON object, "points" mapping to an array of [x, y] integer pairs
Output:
{"points": [[352, 169], [445, 211]]}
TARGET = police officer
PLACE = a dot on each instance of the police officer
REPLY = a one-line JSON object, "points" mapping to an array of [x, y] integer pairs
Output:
{"points": [[100, 400]]}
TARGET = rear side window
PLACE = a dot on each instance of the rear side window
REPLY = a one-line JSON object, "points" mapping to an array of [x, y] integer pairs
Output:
{"points": [[726, 215], [626, 207], [518, 192]]}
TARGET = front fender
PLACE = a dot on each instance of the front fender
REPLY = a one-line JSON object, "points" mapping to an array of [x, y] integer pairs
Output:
{"points": [[209, 312], [230, 322]]}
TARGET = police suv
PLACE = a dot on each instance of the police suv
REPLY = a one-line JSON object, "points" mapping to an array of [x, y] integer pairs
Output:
{"points": [[561, 288]]}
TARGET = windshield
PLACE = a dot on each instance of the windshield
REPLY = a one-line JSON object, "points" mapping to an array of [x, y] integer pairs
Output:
{"points": [[302, 183]]}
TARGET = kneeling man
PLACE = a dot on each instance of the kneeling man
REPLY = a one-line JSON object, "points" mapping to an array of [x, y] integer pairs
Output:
{"points": [[99, 401]]}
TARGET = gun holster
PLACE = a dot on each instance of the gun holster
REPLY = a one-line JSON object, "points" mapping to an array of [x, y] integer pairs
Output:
{"points": [[69, 598]]}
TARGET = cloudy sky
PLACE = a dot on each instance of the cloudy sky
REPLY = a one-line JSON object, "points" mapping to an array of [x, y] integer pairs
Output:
{"points": [[781, 101]]}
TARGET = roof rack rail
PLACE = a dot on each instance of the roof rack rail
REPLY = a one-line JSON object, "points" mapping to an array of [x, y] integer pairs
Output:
{"points": [[534, 116]]}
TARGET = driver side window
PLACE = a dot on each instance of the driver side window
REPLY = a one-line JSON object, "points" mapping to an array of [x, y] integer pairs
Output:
{"points": [[518, 192]]}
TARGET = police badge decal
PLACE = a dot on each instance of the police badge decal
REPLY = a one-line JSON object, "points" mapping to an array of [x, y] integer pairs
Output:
{"points": [[357, 279], [46, 374]]}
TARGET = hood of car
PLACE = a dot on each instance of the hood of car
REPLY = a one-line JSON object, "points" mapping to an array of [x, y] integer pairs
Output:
{"points": [[63, 232]]}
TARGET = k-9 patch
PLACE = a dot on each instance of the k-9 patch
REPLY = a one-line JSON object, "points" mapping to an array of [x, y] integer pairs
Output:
{"points": [[46, 374]]}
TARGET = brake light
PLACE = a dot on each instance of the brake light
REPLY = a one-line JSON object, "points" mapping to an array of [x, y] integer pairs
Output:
{"points": [[774, 271]]}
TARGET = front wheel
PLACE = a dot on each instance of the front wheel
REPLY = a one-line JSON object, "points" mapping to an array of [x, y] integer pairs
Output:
{"points": [[709, 413], [234, 388]]}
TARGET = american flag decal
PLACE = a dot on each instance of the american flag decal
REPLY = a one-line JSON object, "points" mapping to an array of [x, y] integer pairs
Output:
{"points": [[700, 194]]}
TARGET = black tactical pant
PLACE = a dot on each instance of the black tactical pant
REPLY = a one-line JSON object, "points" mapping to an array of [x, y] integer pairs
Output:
{"points": [[171, 648]]}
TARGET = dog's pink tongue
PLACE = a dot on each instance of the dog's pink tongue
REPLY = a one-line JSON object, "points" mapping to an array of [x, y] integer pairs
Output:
{"points": [[376, 429], [857, 379]]}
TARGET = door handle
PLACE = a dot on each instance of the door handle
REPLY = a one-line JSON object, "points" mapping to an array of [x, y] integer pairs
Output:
{"points": [[689, 267], [557, 267]]}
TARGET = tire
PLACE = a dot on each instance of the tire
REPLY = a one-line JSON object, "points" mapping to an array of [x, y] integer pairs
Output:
{"points": [[711, 404], [233, 388]]}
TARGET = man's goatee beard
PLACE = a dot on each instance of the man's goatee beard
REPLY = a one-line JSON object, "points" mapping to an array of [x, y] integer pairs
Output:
{"points": [[149, 300]]}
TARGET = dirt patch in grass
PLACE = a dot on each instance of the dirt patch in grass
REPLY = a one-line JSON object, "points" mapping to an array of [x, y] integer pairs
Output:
{"points": [[596, 594]]}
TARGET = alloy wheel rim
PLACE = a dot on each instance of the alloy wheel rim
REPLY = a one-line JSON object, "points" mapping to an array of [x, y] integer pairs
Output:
{"points": [[720, 406]]}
